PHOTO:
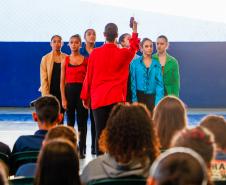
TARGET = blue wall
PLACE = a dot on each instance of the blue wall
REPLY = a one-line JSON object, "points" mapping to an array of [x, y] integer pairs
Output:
{"points": [[202, 69]]}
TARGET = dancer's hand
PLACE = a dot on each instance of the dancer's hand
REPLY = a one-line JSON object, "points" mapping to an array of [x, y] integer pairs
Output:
{"points": [[86, 103], [64, 103], [134, 26]]}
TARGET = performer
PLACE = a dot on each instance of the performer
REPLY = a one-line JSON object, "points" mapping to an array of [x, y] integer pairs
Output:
{"points": [[73, 71], [90, 39], [124, 43], [50, 69], [106, 79], [146, 77], [170, 67]]}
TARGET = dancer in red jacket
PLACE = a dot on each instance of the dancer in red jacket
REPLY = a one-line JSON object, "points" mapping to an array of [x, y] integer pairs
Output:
{"points": [[106, 80]]}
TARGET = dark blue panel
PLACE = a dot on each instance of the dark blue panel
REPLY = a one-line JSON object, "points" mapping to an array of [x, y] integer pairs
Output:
{"points": [[202, 69]]}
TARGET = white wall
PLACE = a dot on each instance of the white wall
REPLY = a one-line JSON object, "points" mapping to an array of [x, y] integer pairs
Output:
{"points": [[38, 20]]}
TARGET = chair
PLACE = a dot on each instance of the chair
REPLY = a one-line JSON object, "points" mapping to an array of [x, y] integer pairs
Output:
{"points": [[219, 182], [21, 158], [119, 181], [22, 181]]}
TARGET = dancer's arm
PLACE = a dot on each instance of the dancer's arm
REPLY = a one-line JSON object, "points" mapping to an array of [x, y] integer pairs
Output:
{"points": [[62, 85]]}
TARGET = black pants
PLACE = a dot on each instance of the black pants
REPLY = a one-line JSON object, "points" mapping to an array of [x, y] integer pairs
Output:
{"points": [[147, 99], [93, 131], [101, 116], [58, 96], [73, 91]]}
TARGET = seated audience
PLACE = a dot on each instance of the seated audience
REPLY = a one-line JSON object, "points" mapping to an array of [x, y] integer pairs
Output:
{"points": [[217, 125], [47, 115], [59, 132], [169, 117], [129, 142], [5, 149], [199, 139], [178, 166], [58, 164]]}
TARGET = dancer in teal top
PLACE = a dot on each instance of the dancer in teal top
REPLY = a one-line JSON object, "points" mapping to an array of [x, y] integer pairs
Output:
{"points": [[146, 77]]}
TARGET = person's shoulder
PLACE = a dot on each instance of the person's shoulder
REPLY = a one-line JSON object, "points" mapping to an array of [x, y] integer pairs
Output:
{"points": [[172, 59], [155, 56], [23, 138], [64, 54], [136, 60], [47, 55]]}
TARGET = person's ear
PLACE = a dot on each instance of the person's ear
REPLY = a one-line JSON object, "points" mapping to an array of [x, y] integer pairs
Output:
{"points": [[35, 116], [167, 46], [150, 181], [60, 117], [43, 143]]}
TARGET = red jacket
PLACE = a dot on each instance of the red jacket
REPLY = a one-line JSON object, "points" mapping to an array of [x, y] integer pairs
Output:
{"points": [[107, 74]]}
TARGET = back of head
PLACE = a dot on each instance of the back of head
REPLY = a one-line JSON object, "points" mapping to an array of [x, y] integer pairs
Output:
{"points": [[129, 134], [111, 32], [47, 109], [217, 125], [169, 117], [57, 164], [178, 166], [62, 132], [199, 139]]}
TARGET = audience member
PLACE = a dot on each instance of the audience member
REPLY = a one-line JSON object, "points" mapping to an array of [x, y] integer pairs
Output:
{"points": [[58, 164], [129, 142], [47, 115], [178, 166], [169, 117]]}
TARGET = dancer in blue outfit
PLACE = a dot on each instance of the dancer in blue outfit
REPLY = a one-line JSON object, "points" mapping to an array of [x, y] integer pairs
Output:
{"points": [[146, 77]]}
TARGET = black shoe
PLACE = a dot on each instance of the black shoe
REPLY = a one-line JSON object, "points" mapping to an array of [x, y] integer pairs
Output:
{"points": [[82, 156], [84, 151], [93, 151]]}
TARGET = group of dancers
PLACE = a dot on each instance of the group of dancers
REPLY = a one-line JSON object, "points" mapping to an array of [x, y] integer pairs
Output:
{"points": [[96, 78]]}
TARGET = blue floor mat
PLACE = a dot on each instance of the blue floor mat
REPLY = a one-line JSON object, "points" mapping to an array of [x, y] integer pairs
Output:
{"points": [[193, 119]]}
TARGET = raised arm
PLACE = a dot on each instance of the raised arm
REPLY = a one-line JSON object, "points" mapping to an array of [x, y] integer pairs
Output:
{"points": [[134, 41]]}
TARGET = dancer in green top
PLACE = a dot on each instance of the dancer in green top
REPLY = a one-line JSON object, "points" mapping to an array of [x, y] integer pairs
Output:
{"points": [[170, 67]]}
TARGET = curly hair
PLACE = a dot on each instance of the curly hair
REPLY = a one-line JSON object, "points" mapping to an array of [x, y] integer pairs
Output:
{"points": [[129, 134]]}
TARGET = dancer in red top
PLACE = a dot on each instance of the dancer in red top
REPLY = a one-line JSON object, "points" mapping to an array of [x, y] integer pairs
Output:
{"points": [[73, 71], [106, 80]]}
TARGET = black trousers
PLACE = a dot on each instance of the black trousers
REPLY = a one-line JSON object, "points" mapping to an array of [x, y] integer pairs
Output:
{"points": [[58, 96], [147, 99], [101, 116], [74, 103], [93, 131]]}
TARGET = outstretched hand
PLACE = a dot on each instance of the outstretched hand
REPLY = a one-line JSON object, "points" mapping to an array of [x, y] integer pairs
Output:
{"points": [[134, 26]]}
